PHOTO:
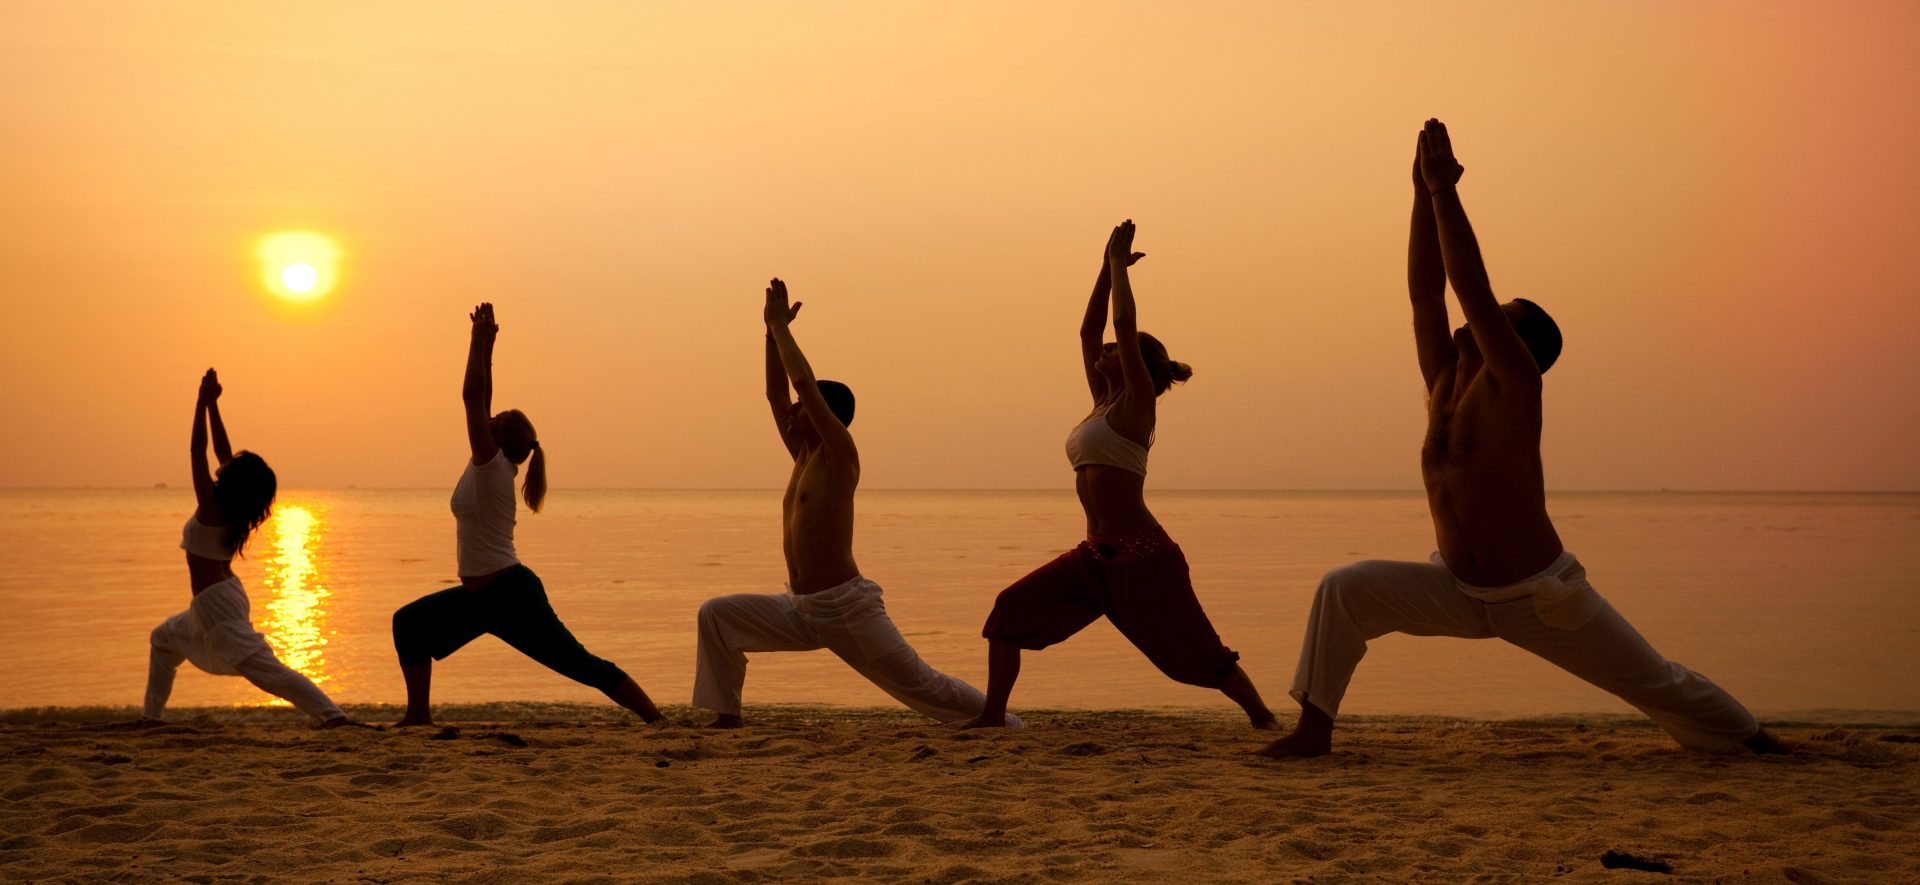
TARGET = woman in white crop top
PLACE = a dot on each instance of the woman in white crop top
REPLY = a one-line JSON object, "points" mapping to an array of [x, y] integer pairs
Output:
{"points": [[497, 594], [216, 633], [1128, 569]]}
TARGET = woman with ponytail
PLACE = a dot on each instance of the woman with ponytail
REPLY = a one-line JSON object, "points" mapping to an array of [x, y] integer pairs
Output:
{"points": [[497, 595], [216, 631], [1127, 569]]}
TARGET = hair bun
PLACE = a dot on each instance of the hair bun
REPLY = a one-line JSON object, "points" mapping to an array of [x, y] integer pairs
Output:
{"points": [[1179, 371]]}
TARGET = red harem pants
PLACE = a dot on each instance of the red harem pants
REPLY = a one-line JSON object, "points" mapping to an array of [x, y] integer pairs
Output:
{"points": [[1140, 582]]}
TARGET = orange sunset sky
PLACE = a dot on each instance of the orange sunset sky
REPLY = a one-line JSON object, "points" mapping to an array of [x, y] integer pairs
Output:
{"points": [[1718, 201]]}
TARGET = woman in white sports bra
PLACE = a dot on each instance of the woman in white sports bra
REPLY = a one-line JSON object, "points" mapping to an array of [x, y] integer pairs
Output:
{"points": [[496, 594], [215, 632], [1127, 569]]}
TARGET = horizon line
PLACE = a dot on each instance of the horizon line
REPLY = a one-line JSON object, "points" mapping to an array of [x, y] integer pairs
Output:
{"points": [[1295, 490]]}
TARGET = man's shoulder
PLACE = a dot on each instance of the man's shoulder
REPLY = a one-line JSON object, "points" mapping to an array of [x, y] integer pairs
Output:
{"points": [[836, 459]]}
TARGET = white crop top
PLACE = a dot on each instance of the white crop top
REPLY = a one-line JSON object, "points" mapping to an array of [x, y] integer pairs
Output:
{"points": [[1094, 441], [483, 516], [205, 541]]}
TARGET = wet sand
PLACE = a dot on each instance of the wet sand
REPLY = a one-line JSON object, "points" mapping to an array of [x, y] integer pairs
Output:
{"points": [[546, 792]]}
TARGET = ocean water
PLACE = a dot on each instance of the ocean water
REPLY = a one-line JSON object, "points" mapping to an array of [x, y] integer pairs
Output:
{"points": [[1794, 602]]}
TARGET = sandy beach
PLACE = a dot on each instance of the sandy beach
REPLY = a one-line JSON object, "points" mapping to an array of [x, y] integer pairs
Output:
{"points": [[542, 792]]}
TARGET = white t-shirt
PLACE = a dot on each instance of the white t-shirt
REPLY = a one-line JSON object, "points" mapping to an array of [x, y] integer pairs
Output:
{"points": [[483, 516]]}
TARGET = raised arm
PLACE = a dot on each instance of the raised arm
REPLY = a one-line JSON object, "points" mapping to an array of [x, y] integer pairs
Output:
{"points": [[210, 393], [1133, 414], [1502, 350], [779, 399], [1093, 332], [1427, 286], [476, 392], [834, 437], [1093, 327], [207, 509]]}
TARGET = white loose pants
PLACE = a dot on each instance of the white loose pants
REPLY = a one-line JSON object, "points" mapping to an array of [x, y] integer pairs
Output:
{"points": [[1366, 600], [850, 620], [216, 634]]}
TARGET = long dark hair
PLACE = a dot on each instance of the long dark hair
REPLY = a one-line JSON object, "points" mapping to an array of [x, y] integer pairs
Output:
{"points": [[244, 489]]}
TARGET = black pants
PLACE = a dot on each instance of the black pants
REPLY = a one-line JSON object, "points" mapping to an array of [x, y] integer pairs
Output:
{"points": [[513, 607]]}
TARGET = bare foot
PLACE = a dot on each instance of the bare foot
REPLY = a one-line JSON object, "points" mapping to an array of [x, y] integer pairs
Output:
{"points": [[1312, 736], [984, 721], [725, 720], [1298, 746], [1763, 743], [1271, 723], [410, 720]]}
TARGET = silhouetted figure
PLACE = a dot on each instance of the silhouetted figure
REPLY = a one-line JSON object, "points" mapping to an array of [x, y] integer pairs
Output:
{"points": [[216, 632], [497, 594], [1127, 569], [1500, 570], [827, 604]]}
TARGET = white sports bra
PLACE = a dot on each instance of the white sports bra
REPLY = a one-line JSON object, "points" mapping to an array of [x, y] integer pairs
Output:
{"points": [[1094, 441], [205, 541]]}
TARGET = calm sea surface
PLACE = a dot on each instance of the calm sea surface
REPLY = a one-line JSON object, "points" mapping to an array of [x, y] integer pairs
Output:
{"points": [[1793, 602]]}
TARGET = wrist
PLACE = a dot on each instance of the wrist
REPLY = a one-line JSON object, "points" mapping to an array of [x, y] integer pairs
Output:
{"points": [[1442, 190]]}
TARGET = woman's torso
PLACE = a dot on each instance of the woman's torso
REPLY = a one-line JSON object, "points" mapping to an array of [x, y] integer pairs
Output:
{"points": [[1109, 476], [209, 560], [484, 513]]}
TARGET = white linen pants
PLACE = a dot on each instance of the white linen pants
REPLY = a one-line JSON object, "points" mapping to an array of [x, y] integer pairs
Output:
{"points": [[850, 620], [1566, 622], [217, 635]]}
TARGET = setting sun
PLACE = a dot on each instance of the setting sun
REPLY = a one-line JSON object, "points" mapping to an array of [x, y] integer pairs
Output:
{"points": [[298, 265]]}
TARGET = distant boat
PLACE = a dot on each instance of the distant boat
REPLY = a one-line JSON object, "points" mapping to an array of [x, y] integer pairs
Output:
{"points": [[159, 485]]}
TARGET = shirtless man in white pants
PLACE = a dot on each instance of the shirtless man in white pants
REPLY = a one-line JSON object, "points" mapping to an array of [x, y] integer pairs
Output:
{"points": [[827, 604], [1501, 570]]}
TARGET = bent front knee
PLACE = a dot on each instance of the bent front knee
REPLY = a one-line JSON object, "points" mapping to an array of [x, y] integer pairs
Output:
{"points": [[715, 611], [411, 637], [1337, 582]]}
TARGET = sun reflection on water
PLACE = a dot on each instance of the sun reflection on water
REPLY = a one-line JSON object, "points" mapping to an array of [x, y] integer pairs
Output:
{"points": [[296, 615]]}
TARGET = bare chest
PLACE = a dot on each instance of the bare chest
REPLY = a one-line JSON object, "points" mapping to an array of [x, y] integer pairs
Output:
{"points": [[811, 490], [1455, 419]]}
